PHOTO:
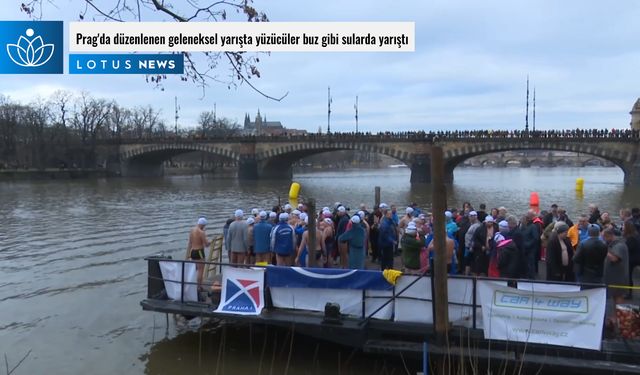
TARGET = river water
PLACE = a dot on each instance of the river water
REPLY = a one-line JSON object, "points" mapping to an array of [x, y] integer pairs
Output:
{"points": [[73, 274]]}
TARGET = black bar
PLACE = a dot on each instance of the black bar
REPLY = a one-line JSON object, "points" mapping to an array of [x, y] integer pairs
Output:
{"points": [[433, 301], [364, 296], [393, 297], [182, 285], [475, 284], [393, 308]]}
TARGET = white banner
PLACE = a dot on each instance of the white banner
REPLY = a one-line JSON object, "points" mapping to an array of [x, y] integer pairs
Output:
{"points": [[242, 36], [571, 319], [350, 300], [242, 291], [414, 305], [172, 275], [539, 287]]}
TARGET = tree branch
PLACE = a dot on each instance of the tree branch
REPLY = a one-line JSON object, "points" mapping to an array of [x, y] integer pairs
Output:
{"points": [[16, 366], [166, 10], [208, 8], [90, 3], [244, 79]]}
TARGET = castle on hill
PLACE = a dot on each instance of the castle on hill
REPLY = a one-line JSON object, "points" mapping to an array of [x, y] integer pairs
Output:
{"points": [[260, 126]]}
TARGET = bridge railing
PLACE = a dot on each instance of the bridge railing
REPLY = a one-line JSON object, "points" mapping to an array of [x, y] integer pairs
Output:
{"points": [[624, 135]]}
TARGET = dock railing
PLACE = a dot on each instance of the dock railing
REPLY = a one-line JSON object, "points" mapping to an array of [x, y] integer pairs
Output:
{"points": [[468, 305], [156, 283]]}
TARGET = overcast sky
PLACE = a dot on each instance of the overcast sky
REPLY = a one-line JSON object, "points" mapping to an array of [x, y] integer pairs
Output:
{"points": [[468, 71]]}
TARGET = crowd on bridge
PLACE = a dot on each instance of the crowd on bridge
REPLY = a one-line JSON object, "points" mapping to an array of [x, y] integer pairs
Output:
{"points": [[596, 248], [430, 136]]}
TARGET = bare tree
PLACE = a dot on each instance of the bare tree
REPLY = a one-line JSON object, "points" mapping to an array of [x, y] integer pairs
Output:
{"points": [[10, 121], [90, 116], [119, 120], [216, 127], [161, 128], [153, 119], [241, 67], [206, 120], [60, 102], [144, 120], [36, 119]]}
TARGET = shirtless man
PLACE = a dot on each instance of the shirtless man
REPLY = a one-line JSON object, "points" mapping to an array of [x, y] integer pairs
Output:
{"points": [[450, 244], [328, 237], [197, 243], [320, 248]]}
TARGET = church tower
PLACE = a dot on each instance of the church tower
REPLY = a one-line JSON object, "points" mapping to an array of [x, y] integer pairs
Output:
{"points": [[258, 122], [635, 115], [247, 121]]}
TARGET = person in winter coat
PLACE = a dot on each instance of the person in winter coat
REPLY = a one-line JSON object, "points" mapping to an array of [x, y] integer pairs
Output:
{"points": [[356, 238], [474, 224], [616, 264], [531, 243], [632, 239], [594, 214], [412, 244], [510, 260], [560, 254], [482, 241], [386, 240], [589, 257]]}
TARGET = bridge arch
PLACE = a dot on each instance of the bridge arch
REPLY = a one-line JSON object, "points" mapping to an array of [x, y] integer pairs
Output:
{"points": [[520, 162], [168, 150], [295, 150], [539, 163], [597, 162], [489, 162], [147, 160], [277, 161], [456, 153]]}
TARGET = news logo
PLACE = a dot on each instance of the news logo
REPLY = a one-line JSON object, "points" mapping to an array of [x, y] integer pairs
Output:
{"points": [[128, 63], [31, 47]]}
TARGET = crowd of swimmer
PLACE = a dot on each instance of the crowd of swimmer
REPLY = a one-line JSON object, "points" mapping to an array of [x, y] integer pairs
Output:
{"points": [[596, 249]]}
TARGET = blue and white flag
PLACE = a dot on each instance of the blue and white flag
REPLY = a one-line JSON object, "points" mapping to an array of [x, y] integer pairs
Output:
{"points": [[242, 291], [325, 278]]}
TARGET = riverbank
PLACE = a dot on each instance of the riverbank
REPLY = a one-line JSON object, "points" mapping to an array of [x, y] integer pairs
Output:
{"points": [[50, 174]]}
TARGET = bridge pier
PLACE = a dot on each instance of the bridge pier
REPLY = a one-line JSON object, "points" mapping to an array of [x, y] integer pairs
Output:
{"points": [[253, 170], [421, 169], [248, 170], [448, 175], [632, 174], [276, 171], [141, 168]]}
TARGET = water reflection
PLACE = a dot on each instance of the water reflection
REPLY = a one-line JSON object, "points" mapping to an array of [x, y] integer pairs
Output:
{"points": [[259, 350]]}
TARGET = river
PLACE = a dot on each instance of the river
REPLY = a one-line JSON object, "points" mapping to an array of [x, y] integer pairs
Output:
{"points": [[73, 274]]}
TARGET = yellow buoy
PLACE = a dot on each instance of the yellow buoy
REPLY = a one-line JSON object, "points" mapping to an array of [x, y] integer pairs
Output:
{"points": [[579, 184], [293, 194]]}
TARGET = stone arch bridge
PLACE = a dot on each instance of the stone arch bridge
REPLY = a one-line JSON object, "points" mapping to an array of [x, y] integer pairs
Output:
{"points": [[272, 157], [526, 159]]}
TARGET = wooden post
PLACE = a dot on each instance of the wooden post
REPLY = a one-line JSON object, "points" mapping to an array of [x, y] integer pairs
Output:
{"points": [[377, 197], [311, 227], [439, 274]]}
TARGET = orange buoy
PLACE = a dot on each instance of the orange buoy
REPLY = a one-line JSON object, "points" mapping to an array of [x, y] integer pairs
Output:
{"points": [[534, 199]]}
